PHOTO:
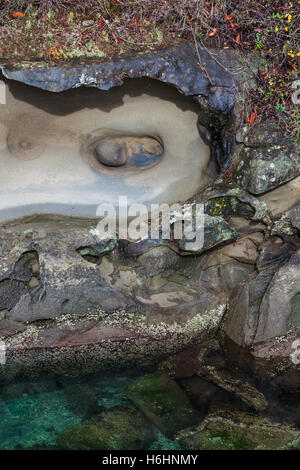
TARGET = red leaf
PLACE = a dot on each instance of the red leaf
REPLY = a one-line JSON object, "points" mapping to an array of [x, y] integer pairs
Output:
{"points": [[18, 14], [253, 116], [115, 38], [213, 32]]}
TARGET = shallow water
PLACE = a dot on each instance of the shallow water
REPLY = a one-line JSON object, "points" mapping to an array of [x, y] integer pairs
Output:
{"points": [[51, 127], [34, 414]]}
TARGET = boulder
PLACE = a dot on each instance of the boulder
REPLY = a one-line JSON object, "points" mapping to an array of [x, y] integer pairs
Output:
{"points": [[266, 158], [163, 402], [216, 232], [261, 328], [238, 386]]}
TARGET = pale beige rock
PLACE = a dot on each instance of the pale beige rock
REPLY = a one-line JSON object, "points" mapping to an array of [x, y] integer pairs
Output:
{"points": [[282, 198]]}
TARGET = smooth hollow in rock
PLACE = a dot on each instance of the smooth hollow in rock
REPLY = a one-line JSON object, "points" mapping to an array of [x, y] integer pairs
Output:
{"points": [[153, 136]]}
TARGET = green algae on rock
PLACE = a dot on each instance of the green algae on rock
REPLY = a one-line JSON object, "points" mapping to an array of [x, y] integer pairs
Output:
{"points": [[119, 428], [163, 402], [237, 430]]}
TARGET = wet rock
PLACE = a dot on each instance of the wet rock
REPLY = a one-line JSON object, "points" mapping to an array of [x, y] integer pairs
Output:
{"points": [[235, 385], [118, 428], [236, 430], [241, 320], [81, 399], [201, 392], [231, 193], [138, 248], [163, 402], [266, 159], [222, 272], [246, 227], [67, 283], [227, 206], [261, 327], [183, 364], [96, 309], [115, 153], [160, 260], [216, 232]]}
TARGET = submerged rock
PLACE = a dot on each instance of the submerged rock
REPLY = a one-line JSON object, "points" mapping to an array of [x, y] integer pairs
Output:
{"points": [[118, 428], [163, 402], [237, 430], [81, 399], [183, 364], [201, 392], [235, 385]]}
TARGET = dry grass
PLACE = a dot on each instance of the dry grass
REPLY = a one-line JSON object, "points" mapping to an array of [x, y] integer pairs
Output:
{"points": [[55, 30]]}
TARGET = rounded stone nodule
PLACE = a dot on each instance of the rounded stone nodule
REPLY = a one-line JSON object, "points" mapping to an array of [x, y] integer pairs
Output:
{"points": [[115, 153], [25, 149]]}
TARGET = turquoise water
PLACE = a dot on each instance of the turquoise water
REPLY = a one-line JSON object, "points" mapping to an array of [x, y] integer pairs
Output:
{"points": [[34, 414]]}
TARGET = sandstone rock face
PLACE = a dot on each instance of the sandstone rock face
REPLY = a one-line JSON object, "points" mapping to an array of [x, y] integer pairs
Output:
{"points": [[177, 66], [262, 326], [266, 159], [74, 304]]}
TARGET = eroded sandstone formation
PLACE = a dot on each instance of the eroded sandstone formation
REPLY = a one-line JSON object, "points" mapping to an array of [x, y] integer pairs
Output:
{"points": [[71, 304]]}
